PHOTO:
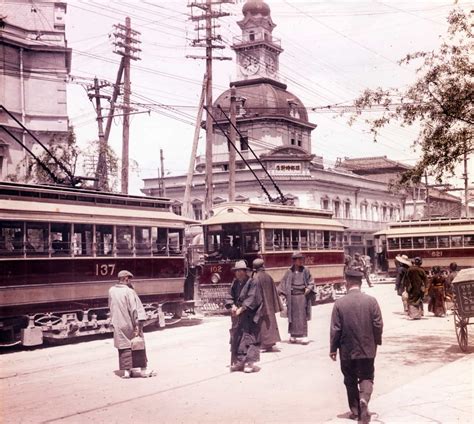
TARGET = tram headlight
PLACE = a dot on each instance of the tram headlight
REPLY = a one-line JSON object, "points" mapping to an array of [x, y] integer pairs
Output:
{"points": [[215, 278]]}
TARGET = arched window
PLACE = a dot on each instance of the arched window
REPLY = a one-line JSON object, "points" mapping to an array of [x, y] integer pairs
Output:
{"points": [[325, 202], [337, 207], [347, 209], [364, 205], [197, 209]]}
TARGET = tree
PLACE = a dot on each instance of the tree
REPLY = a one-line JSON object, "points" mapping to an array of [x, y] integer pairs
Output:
{"points": [[440, 102]]}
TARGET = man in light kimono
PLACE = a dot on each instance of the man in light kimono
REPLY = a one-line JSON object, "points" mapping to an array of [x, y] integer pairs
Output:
{"points": [[297, 286], [127, 316]]}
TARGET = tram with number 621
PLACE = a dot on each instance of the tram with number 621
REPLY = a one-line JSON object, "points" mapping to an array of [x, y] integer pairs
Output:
{"points": [[437, 241], [272, 232], [61, 250]]}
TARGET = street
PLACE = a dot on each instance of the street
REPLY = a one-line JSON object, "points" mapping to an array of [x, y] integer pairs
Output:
{"points": [[76, 383]]}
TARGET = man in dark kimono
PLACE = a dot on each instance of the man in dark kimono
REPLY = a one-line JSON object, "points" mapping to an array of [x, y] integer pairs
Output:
{"points": [[417, 282], [356, 330], [244, 302], [402, 263], [271, 304], [297, 286], [127, 316]]}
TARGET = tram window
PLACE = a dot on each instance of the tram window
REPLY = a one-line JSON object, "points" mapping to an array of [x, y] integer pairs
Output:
{"points": [[443, 241], [269, 239], [175, 241], [393, 243], [278, 239], [159, 240], [143, 241], [469, 240], [406, 243], [252, 242], [287, 239], [11, 238], [37, 239], [319, 240], [304, 239], [295, 239], [326, 240], [456, 241], [312, 239], [124, 242], [82, 240], [60, 239], [339, 238], [418, 242], [430, 242], [104, 237]]}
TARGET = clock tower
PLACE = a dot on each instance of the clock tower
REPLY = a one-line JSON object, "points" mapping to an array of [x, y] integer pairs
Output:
{"points": [[256, 49]]}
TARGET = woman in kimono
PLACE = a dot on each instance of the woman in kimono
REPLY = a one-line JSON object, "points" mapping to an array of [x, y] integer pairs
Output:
{"points": [[416, 284], [437, 293], [297, 287]]}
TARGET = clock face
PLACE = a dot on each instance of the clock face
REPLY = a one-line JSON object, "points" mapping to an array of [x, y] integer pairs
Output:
{"points": [[249, 65], [270, 66]]}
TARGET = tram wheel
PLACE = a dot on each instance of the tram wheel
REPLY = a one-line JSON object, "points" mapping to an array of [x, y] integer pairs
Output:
{"points": [[460, 325]]}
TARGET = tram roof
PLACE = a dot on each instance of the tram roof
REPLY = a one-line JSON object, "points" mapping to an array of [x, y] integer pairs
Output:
{"points": [[272, 216], [47, 193], [67, 212], [461, 228]]}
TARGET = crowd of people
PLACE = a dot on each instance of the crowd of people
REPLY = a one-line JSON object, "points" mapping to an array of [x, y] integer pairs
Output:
{"points": [[416, 287], [253, 301]]}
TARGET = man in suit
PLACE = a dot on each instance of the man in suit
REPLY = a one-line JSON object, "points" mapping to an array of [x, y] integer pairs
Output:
{"points": [[356, 330]]}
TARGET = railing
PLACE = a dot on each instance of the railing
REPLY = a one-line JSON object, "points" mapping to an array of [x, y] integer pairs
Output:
{"points": [[257, 38]]}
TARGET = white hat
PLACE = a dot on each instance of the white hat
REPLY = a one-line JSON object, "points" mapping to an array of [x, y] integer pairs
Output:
{"points": [[124, 273], [242, 265], [403, 259]]}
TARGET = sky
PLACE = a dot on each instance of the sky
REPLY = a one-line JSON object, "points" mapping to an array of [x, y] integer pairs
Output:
{"points": [[333, 50]]}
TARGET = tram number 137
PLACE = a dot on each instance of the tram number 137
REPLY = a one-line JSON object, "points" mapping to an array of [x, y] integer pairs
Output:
{"points": [[104, 269]]}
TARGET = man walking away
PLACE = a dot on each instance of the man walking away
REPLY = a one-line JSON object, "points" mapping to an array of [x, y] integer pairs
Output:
{"points": [[127, 316], [244, 301], [360, 264], [356, 330], [271, 304], [417, 282]]}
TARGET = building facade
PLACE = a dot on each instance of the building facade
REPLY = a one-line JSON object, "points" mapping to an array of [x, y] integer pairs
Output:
{"points": [[275, 141], [34, 66]]}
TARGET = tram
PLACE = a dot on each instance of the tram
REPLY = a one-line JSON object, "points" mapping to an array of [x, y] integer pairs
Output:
{"points": [[437, 241], [61, 250], [272, 232]]}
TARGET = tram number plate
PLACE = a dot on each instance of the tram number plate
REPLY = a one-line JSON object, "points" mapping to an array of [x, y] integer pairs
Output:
{"points": [[436, 253], [104, 269]]}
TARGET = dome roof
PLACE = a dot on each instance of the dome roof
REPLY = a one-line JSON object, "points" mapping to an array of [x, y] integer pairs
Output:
{"points": [[264, 98], [255, 7]]}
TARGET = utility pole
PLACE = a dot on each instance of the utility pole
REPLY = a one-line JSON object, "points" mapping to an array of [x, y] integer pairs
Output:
{"points": [[232, 136], [126, 44], [101, 182], [427, 198], [162, 162], [466, 185], [189, 178], [209, 11]]}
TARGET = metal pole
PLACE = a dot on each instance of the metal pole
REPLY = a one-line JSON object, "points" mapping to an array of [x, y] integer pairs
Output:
{"points": [[209, 124], [162, 162], [466, 185], [427, 198], [232, 136], [126, 106], [189, 177], [115, 94]]}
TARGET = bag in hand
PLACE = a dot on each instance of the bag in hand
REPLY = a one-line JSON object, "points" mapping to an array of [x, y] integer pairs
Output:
{"points": [[138, 343]]}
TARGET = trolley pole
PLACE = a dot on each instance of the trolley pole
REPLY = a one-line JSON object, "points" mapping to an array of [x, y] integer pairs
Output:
{"points": [[162, 162]]}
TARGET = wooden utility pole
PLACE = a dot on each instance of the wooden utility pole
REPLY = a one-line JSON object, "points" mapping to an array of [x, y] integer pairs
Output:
{"points": [[232, 136], [126, 44], [101, 182], [209, 11], [466, 185], [115, 94], [427, 197], [162, 163], [187, 210]]}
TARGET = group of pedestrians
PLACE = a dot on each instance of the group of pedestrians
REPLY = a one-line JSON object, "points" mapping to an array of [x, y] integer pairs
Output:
{"points": [[415, 286], [254, 300]]}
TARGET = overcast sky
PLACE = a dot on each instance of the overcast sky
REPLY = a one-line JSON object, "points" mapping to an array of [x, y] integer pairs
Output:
{"points": [[333, 50]]}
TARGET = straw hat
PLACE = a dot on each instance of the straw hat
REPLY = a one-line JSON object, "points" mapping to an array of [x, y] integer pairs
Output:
{"points": [[403, 259], [297, 255], [242, 265]]}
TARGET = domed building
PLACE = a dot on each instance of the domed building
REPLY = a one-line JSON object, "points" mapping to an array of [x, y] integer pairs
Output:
{"points": [[274, 123]]}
